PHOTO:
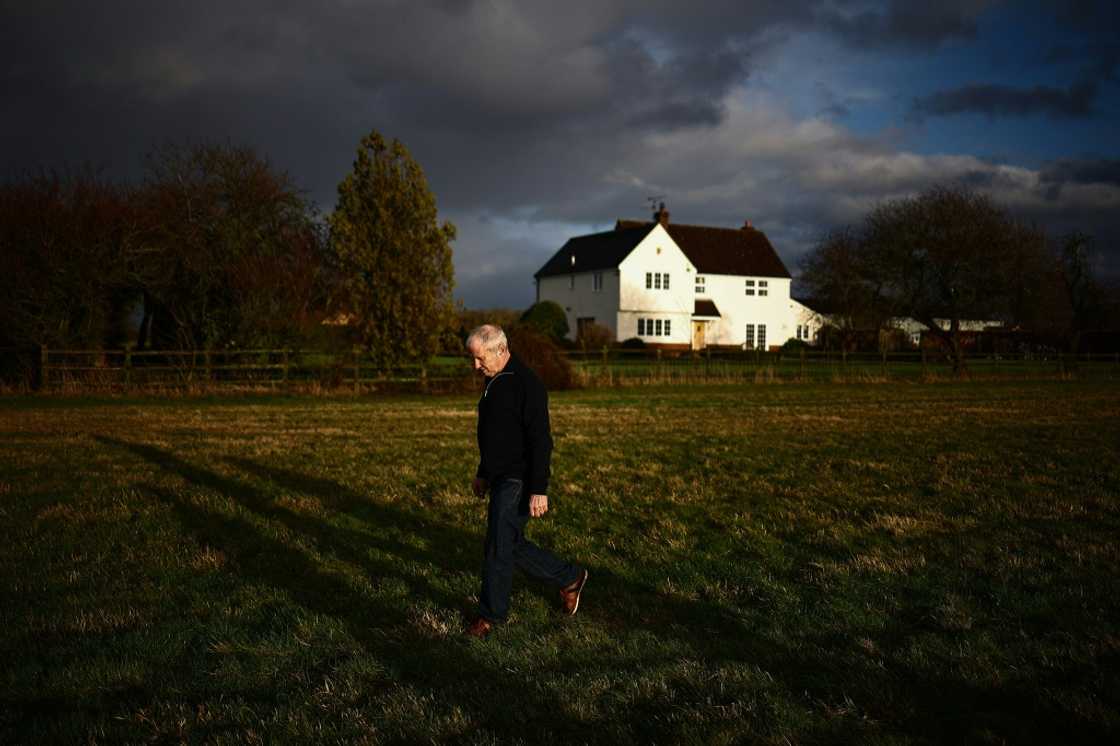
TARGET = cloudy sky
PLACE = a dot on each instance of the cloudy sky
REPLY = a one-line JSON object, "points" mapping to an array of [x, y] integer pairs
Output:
{"points": [[539, 120]]}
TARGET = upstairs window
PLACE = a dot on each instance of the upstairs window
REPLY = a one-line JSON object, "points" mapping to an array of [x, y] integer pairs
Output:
{"points": [[750, 287], [763, 288], [665, 281], [649, 280], [597, 282], [571, 282], [700, 283], [656, 280]]}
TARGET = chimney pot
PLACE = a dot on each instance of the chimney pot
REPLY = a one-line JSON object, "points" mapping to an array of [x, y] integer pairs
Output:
{"points": [[747, 225], [662, 215]]}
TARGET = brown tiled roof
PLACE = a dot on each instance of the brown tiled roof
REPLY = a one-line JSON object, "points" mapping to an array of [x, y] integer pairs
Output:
{"points": [[723, 251], [715, 251], [705, 308]]}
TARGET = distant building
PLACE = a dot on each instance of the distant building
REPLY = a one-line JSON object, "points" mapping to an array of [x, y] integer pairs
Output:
{"points": [[677, 286]]}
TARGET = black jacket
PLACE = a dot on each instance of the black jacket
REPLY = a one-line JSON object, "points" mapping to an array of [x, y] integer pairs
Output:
{"points": [[513, 430]]}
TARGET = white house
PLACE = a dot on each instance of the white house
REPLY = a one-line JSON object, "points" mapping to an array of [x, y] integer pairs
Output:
{"points": [[677, 286]]}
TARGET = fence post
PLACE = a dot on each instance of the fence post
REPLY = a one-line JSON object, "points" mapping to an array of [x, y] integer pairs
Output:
{"points": [[127, 367], [925, 372], [44, 370], [802, 365], [285, 379], [423, 378], [206, 366], [883, 362], [357, 371]]}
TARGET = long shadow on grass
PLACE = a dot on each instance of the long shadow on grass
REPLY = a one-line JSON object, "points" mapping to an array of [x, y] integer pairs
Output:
{"points": [[942, 709]]}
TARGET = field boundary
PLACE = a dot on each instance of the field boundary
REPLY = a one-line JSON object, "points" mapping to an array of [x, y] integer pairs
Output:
{"points": [[286, 370]]}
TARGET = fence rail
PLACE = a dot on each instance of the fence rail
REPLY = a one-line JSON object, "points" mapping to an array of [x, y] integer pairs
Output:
{"points": [[274, 368], [621, 366], [127, 369]]}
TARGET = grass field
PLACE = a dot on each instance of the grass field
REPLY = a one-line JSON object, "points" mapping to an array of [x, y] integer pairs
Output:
{"points": [[786, 563]]}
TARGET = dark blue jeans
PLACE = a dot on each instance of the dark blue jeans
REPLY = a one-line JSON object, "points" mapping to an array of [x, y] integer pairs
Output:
{"points": [[507, 547]]}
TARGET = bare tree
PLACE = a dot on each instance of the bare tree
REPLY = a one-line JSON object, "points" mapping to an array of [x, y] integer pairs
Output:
{"points": [[951, 254], [843, 286], [62, 242], [233, 254]]}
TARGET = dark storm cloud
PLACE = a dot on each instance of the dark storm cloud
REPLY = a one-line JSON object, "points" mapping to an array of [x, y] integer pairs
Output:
{"points": [[903, 23], [1082, 171], [536, 112], [1074, 102]]}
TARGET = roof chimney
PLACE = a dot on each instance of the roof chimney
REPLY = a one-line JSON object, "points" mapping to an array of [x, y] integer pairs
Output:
{"points": [[747, 225], [662, 215]]}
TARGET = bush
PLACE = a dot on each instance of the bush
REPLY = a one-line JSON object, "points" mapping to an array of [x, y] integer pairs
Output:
{"points": [[546, 318], [542, 355], [634, 343], [594, 337], [795, 345]]}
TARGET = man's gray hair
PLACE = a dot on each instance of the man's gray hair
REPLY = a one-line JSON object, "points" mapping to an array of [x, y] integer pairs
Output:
{"points": [[491, 337]]}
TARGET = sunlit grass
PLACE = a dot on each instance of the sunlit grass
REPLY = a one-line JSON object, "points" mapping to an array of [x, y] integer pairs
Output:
{"points": [[796, 563]]}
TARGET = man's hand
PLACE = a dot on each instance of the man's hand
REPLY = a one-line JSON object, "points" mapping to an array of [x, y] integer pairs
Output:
{"points": [[479, 485], [538, 505]]}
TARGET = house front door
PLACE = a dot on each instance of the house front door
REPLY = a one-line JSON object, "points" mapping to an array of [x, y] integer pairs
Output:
{"points": [[698, 335]]}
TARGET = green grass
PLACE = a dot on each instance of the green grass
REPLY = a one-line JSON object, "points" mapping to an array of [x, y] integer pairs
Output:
{"points": [[794, 563]]}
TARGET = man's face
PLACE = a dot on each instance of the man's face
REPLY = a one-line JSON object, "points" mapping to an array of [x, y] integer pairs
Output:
{"points": [[487, 362]]}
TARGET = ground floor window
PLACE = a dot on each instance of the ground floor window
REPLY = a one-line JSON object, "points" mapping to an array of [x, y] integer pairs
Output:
{"points": [[654, 327], [756, 337]]}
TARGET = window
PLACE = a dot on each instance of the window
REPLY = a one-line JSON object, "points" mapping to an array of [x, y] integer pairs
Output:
{"points": [[657, 326], [763, 288], [665, 281], [641, 327], [656, 280], [700, 282], [750, 287], [762, 336], [571, 282], [597, 282], [649, 280], [667, 332], [750, 336]]}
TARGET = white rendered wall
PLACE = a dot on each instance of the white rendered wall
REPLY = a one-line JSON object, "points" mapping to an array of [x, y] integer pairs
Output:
{"points": [[583, 301], [737, 309], [806, 316], [657, 253]]}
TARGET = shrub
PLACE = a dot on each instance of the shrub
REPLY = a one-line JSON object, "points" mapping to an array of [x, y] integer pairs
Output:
{"points": [[546, 318], [594, 337], [794, 345], [542, 355], [634, 343]]}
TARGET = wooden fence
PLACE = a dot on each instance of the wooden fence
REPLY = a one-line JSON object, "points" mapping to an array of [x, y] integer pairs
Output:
{"points": [[284, 369], [622, 367], [281, 369]]}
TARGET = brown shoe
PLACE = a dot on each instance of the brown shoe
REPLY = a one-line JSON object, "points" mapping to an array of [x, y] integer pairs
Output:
{"points": [[569, 595], [479, 628]]}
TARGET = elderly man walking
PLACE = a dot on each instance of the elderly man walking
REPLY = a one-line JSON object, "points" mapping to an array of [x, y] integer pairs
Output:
{"points": [[515, 446]]}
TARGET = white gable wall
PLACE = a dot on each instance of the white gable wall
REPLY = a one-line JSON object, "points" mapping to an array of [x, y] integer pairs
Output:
{"points": [[656, 253]]}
